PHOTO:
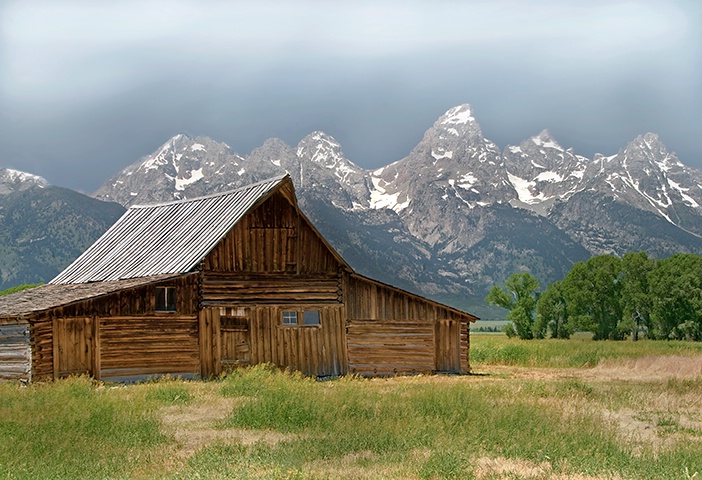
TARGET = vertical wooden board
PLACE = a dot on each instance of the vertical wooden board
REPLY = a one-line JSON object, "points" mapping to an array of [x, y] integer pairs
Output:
{"points": [[206, 366], [279, 345], [216, 340], [273, 334], [273, 322], [56, 335], [340, 344], [316, 353], [261, 356], [267, 333], [310, 353], [96, 347]]}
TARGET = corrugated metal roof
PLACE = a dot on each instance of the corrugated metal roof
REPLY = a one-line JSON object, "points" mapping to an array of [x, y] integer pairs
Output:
{"points": [[165, 238]]}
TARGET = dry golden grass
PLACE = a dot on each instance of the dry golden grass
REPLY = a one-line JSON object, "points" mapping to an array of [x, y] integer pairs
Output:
{"points": [[637, 397]]}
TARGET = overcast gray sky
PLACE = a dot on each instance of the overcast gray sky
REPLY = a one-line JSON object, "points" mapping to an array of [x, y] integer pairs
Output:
{"points": [[87, 88]]}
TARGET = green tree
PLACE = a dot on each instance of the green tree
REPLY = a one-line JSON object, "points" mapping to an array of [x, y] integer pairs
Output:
{"points": [[676, 294], [635, 294], [592, 291], [552, 312], [519, 297]]}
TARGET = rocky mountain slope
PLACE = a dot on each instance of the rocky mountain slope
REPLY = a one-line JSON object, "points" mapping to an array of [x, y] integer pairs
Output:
{"points": [[44, 228], [457, 214]]}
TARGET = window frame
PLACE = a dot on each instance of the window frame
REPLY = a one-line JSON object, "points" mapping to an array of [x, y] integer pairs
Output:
{"points": [[300, 317], [170, 299]]}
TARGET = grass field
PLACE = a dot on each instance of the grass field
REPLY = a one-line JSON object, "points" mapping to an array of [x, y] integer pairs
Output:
{"points": [[547, 409]]}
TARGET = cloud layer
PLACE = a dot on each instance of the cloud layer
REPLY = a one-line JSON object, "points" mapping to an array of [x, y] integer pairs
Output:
{"points": [[87, 87]]}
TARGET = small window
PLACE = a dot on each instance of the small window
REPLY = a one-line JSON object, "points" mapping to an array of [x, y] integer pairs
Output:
{"points": [[165, 299], [301, 317], [289, 317], [311, 317]]}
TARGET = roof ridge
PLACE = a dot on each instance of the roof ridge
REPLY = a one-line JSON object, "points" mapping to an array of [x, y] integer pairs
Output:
{"points": [[275, 179]]}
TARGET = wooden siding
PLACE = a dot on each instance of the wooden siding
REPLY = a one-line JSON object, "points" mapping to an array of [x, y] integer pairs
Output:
{"points": [[133, 347], [273, 238], [318, 350], [389, 348], [227, 289], [15, 352], [132, 339], [393, 332]]}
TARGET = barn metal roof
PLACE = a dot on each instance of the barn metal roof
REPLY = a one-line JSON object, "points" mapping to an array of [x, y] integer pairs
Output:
{"points": [[165, 238]]}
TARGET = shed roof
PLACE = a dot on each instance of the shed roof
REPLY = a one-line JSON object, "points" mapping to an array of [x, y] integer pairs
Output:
{"points": [[47, 296], [165, 238]]}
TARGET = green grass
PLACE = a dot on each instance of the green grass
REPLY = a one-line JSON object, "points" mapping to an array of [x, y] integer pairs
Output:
{"points": [[76, 428], [281, 425], [579, 351]]}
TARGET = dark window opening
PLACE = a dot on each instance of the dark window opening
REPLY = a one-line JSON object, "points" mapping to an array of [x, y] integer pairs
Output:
{"points": [[165, 299], [311, 317]]}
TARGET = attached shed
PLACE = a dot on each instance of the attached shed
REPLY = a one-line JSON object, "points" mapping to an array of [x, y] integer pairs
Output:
{"points": [[198, 287]]}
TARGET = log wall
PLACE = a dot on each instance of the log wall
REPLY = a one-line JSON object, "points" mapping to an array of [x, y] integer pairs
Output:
{"points": [[236, 289], [136, 347], [119, 335], [392, 332], [15, 352]]}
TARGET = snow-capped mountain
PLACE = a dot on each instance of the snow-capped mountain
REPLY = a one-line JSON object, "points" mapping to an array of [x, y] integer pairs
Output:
{"points": [[542, 172], [457, 214], [16, 181]]}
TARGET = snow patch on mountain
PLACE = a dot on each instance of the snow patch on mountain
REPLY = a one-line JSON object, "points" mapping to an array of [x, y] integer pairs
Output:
{"points": [[380, 199], [19, 176], [686, 198], [549, 177], [523, 188], [197, 147], [439, 156], [195, 175], [459, 115]]}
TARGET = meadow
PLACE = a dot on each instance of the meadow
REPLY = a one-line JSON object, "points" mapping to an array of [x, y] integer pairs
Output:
{"points": [[543, 409]]}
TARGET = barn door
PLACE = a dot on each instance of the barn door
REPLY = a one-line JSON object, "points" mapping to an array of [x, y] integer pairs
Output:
{"points": [[448, 347], [73, 346], [235, 337]]}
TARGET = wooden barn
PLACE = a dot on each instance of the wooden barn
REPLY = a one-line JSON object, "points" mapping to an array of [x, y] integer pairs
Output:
{"points": [[198, 287]]}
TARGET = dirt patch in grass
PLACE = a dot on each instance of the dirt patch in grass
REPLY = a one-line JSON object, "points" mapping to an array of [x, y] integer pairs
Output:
{"points": [[649, 368], [636, 369], [195, 426], [501, 467]]}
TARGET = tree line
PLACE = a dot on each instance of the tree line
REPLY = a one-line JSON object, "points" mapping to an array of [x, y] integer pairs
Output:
{"points": [[615, 298]]}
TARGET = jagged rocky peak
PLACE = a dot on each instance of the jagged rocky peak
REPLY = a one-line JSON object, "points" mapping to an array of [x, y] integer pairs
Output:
{"points": [[459, 120], [14, 180], [648, 148], [321, 148]]}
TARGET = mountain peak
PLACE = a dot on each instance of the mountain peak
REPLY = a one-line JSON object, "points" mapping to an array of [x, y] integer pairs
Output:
{"points": [[458, 115], [323, 149], [15, 180], [544, 139]]}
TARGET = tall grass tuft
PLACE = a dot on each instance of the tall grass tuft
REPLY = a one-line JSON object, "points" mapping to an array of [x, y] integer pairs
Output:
{"points": [[73, 429]]}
